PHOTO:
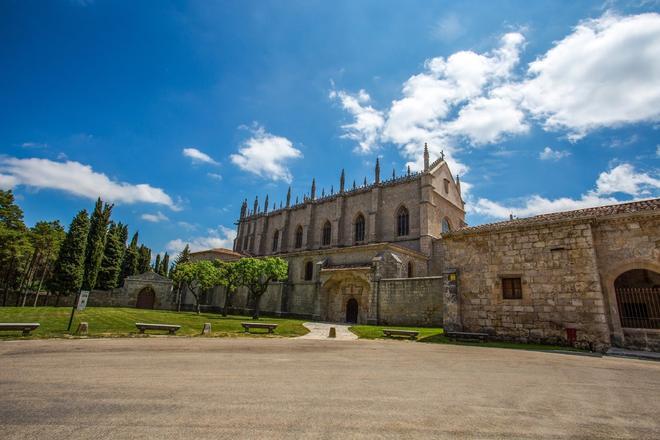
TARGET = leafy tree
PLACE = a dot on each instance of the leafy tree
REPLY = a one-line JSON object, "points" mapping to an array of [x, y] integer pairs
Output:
{"points": [[144, 259], [15, 247], [197, 277], [130, 264], [157, 264], [165, 265], [46, 239], [69, 267], [230, 279], [108, 277], [257, 273], [98, 230]]}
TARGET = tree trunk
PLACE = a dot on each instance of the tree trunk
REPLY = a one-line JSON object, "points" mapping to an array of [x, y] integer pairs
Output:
{"points": [[257, 303], [225, 309], [57, 299]]}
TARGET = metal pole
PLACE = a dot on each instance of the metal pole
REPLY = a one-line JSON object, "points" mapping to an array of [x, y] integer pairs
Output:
{"points": [[73, 310]]}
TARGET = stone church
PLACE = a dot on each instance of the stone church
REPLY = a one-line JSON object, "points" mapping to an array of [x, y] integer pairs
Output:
{"points": [[397, 251]]}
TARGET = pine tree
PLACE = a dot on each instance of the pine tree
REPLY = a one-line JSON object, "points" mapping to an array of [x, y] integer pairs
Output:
{"points": [[108, 276], [15, 246], [130, 263], [98, 230], [183, 257], [165, 265], [157, 264], [69, 267], [144, 259]]}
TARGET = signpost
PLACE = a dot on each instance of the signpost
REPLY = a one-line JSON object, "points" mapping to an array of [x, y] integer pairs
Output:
{"points": [[80, 304]]}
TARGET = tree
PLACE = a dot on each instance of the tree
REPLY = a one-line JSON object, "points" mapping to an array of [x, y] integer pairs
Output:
{"points": [[15, 247], [157, 264], [183, 257], [69, 267], [130, 264], [144, 259], [197, 277], [230, 279], [165, 265], [257, 273], [46, 239], [98, 229], [108, 277]]}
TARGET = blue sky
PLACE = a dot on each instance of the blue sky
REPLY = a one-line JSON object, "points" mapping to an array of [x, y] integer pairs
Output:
{"points": [[177, 111]]}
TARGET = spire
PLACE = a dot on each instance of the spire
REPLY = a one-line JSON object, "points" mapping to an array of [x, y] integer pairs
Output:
{"points": [[280, 204], [313, 193], [322, 192], [426, 157], [377, 180], [342, 179], [365, 182], [353, 183], [332, 189], [255, 207], [288, 197], [458, 184], [266, 204], [244, 208], [296, 200], [409, 170], [393, 174]]}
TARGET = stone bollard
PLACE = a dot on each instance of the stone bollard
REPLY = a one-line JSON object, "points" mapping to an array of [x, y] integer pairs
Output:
{"points": [[207, 329], [82, 329], [332, 333]]}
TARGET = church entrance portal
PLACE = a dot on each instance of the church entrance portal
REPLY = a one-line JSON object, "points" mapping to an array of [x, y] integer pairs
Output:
{"points": [[146, 298], [352, 311]]}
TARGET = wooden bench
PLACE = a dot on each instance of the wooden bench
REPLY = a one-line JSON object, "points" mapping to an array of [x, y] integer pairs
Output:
{"points": [[25, 327], [169, 327], [390, 332], [248, 325], [467, 336]]}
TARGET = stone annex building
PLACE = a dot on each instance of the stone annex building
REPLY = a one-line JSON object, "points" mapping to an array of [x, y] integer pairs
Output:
{"points": [[398, 252]]}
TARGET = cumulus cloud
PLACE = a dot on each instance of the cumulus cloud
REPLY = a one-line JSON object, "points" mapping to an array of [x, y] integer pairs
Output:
{"points": [[622, 179], [605, 73], [77, 179], [367, 124], [266, 155], [222, 237], [550, 154], [154, 218], [198, 156]]}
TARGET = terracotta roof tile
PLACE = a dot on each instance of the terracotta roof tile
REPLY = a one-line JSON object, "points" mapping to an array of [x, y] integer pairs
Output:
{"points": [[600, 211]]}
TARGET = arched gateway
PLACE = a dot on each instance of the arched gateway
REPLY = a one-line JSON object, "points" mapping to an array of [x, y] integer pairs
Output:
{"points": [[352, 311], [638, 298], [146, 298]]}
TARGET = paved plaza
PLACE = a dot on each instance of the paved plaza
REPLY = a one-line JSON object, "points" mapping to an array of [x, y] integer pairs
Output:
{"points": [[211, 388]]}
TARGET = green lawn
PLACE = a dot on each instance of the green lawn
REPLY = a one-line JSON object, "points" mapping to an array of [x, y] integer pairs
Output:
{"points": [[436, 336], [109, 322]]}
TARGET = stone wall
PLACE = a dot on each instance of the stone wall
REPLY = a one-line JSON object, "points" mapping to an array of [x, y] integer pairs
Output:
{"points": [[560, 283], [410, 301]]}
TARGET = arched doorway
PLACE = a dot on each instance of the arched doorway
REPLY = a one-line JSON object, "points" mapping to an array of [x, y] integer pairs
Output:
{"points": [[638, 298], [352, 311], [146, 298]]}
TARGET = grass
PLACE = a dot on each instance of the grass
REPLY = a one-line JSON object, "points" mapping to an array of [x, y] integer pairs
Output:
{"points": [[436, 336], [113, 322]]}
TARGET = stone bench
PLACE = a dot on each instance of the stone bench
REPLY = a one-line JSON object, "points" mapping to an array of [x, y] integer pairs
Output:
{"points": [[248, 325], [467, 336], [390, 332], [169, 327], [25, 327]]}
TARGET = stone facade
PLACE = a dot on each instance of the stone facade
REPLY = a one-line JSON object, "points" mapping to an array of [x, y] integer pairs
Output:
{"points": [[567, 265]]}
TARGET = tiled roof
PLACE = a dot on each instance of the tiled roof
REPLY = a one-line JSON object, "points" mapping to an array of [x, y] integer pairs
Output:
{"points": [[219, 251], [650, 205]]}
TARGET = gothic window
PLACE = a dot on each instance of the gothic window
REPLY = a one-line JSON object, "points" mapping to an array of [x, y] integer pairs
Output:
{"points": [[299, 237], [446, 182], [402, 222], [511, 288], [276, 239], [359, 228], [410, 269], [309, 271], [327, 234], [446, 227]]}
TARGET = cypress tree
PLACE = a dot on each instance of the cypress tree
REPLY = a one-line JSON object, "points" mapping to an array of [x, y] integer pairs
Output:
{"points": [[144, 259], [98, 230], [157, 264], [69, 267], [130, 263], [165, 265], [108, 276]]}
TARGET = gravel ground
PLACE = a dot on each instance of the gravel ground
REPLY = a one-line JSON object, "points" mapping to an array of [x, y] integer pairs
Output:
{"points": [[211, 388]]}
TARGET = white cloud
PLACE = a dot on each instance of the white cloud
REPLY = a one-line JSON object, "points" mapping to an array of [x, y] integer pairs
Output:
{"points": [[198, 156], [214, 176], [448, 28], [34, 145], [657, 150], [606, 73], [154, 218], [77, 179], [368, 121], [222, 237], [266, 155], [550, 154], [623, 179]]}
